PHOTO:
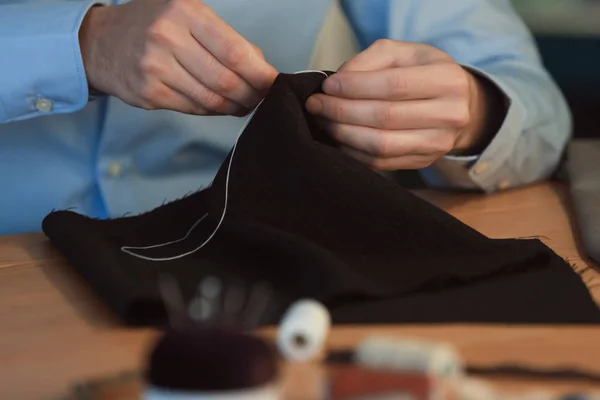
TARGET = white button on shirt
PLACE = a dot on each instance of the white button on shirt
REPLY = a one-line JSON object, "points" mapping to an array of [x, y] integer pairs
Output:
{"points": [[115, 169], [481, 167], [504, 184], [43, 105]]}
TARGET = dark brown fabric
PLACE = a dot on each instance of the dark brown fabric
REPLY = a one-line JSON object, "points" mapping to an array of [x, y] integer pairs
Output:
{"points": [[313, 222]]}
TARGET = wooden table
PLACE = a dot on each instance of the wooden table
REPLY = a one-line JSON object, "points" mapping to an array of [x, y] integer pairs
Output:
{"points": [[54, 333]]}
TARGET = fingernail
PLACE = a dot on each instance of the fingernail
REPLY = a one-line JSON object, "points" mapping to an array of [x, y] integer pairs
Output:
{"points": [[314, 105], [331, 86]]}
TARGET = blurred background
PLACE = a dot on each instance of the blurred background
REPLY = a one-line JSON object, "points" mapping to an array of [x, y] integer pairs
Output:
{"points": [[568, 34]]}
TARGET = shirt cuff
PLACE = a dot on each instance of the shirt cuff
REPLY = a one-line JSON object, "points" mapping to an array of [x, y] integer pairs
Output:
{"points": [[489, 170], [42, 70]]}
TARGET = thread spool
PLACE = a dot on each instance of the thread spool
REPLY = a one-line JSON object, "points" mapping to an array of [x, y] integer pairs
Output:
{"points": [[303, 330], [433, 359]]}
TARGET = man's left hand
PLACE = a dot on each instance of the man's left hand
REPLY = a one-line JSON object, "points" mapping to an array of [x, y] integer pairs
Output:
{"points": [[401, 106]]}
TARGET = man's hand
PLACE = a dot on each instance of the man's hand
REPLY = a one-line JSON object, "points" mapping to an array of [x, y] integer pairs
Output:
{"points": [[401, 106], [172, 54]]}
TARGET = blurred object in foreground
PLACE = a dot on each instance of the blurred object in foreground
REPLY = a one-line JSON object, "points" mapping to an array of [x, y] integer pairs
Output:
{"points": [[212, 363], [353, 383]]}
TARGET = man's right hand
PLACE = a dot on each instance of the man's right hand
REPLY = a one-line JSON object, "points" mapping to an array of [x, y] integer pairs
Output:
{"points": [[172, 54]]}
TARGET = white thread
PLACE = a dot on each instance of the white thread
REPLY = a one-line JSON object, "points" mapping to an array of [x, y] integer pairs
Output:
{"points": [[128, 249]]}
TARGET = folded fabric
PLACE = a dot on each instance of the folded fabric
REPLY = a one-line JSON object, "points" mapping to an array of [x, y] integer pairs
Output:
{"points": [[312, 222]]}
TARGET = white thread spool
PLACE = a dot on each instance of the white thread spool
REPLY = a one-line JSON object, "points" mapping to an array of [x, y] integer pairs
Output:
{"points": [[433, 359], [303, 330], [271, 392]]}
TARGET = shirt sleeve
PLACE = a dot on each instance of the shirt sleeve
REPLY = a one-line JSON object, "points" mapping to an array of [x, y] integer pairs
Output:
{"points": [[488, 38], [41, 72]]}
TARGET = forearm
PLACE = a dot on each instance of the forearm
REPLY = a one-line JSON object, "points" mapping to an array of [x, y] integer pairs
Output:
{"points": [[41, 72]]}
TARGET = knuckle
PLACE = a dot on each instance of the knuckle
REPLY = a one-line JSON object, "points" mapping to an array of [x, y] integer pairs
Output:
{"points": [[382, 146], [215, 102], [398, 84], [383, 43], [235, 55], [462, 116], [458, 78], [339, 111], [444, 144], [153, 94], [380, 164], [197, 94], [424, 163], [211, 63], [227, 82], [150, 65], [386, 116], [457, 116], [160, 32]]}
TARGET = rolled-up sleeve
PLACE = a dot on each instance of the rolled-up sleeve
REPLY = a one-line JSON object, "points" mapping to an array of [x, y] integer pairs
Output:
{"points": [[41, 68], [489, 38]]}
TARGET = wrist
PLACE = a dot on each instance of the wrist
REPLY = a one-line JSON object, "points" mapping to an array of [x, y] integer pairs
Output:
{"points": [[488, 109], [472, 134], [89, 34]]}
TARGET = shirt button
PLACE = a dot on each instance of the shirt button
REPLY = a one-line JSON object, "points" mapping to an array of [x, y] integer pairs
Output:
{"points": [[115, 169], [504, 184], [481, 167], [43, 105]]}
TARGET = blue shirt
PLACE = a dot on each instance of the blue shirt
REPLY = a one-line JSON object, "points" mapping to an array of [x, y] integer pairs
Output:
{"points": [[60, 149]]}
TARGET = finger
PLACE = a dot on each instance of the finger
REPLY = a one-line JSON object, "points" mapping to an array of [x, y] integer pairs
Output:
{"points": [[410, 83], [400, 115], [197, 93], [158, 96], [390, 144], [231, 49], [202, 67], [386, 53], [257, 50], [408, 162]]}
